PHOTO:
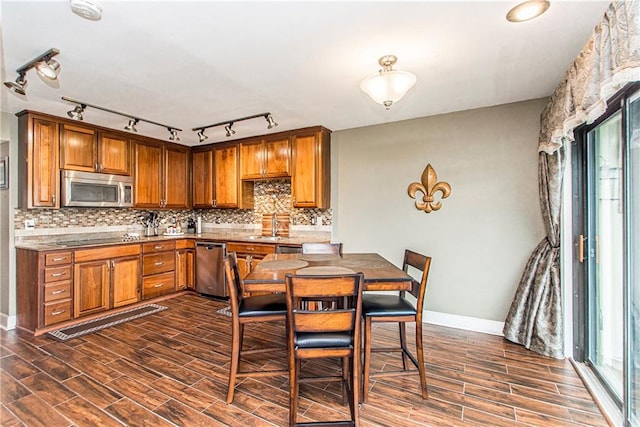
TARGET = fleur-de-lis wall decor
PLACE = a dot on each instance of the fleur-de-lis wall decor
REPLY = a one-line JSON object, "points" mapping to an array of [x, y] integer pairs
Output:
{"points": [[429, 187]]}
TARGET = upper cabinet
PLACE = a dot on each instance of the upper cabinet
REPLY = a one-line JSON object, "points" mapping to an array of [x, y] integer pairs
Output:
{"points": [[38, 161], [265, 158], [161, 178], [86, 149], [311, 173], [216, 182]]}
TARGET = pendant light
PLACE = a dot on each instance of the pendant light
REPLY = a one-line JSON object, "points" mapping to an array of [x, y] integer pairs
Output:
{"points": [[389, 85]]}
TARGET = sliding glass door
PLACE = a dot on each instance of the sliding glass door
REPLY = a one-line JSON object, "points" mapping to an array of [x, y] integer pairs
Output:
{"points": [[606, 207]]}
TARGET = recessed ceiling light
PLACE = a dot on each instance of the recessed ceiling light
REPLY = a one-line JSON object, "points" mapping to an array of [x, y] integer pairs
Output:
{"points": [[527, 10], [87, 9]]}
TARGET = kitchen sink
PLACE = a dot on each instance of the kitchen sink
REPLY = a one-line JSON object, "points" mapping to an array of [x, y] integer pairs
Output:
{"points": [[265, 238]]}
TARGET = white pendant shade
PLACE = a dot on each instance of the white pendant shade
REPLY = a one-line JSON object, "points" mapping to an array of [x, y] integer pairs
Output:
{"points": [[388, 86]]}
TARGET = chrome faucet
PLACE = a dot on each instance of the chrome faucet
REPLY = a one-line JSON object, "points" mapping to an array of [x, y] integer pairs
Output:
{"points": [[274, 225]]}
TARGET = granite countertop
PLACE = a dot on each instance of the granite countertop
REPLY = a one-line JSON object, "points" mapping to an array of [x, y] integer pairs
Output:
{"points": [[45, 243]]}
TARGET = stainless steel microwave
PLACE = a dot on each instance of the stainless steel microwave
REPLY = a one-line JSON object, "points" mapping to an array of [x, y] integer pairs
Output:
{"points": [[88, 189]]}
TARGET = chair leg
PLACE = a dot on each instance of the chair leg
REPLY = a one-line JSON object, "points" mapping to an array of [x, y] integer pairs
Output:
{"points": [[345, 380], [294, 389], [420, 354], [236, 348], [355, 390], [403, 344], [367, 359]]}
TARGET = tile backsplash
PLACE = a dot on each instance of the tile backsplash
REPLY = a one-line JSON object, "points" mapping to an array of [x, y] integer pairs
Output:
{"points": [[270, 196]]}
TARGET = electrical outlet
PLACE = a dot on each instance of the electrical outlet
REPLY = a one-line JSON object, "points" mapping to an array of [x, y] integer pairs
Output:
{"points": [[29, 224]]}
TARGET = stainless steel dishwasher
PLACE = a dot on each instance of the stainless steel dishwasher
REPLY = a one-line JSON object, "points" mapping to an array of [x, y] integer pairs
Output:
{"points": [[210, 278]]}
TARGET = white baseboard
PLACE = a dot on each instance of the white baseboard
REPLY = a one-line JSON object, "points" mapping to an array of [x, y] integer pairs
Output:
{"points": [[7, 322], [491, 327]]}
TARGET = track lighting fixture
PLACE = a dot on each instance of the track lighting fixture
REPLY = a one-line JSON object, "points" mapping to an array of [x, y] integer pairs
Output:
{"points": [[228, 129], [76, 114], [229, 123], [18, 86], [173, 134], [270, 122], [44, 65], [132, 125], [201, 135]]}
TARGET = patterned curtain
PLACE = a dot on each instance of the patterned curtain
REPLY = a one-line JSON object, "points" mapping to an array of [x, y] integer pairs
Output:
{"points": [[609, 60]]}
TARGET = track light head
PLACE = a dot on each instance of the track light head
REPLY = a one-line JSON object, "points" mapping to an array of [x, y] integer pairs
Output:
{"points": [[228, 129], [76, 113], [201, 136], [173, 135], [270, 122], [19, 86], [48, 68], [132, 125]]}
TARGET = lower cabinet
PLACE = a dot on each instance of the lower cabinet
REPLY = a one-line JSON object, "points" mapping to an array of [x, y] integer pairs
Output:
{"points": [[158, 269], [249, 254], [185, 263], [105, 278]]}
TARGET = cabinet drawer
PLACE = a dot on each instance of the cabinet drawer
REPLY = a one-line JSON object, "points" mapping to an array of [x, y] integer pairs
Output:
{"points": [[57, 312], [57, 258], [186, 244], [158, 284], [251, 248], [148, 248], [57, 291], [158, 263], [106, 252], [57, 274]]}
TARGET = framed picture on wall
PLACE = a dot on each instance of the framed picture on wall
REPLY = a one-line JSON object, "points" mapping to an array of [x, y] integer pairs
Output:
{"points": [[4, 173]]}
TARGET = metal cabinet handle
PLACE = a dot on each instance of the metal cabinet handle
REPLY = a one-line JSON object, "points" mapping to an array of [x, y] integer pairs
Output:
{"points": [[58, 292], [159, 263], [158, 247], [159, 285], [60, 259], [57, 313], [53, 199], [58, 274]]}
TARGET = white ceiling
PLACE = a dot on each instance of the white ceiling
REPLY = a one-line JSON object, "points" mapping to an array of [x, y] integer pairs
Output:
{"points": [[190, 64]]}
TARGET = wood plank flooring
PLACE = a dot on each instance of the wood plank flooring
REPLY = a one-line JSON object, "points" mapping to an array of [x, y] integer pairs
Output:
{"points": [[171, 368]]}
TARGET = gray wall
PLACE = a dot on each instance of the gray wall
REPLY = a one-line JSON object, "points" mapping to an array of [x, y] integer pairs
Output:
{"points": [[485, 231], [8, 201]]}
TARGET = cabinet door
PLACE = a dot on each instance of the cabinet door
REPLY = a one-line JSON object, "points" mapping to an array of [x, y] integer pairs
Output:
{"points": [[91, 287], [244, 264], [176, 178], [277, 155], [252, 160], [310, 177], [125, 281], [148, 175], [202, 177], [114, 154], [78, 148], [226, 177], [42, 171], [184, 269]]}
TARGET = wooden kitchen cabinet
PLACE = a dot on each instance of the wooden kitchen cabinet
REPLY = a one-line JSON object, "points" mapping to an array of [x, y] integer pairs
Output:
{"points": [[265, 158], [161, 178], [216, 182], [38, 161], [311, 175], [185, 263], [158, 268], [105, 274], [249, 254], [86, 149]]}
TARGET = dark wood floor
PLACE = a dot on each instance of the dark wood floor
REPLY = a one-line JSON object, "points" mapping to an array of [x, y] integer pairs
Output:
{"points": [[170, 368]]}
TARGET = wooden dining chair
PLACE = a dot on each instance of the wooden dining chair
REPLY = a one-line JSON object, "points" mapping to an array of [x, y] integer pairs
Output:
{"points": [[263, 308], [396, 308], [322, 248], [329, 333]]}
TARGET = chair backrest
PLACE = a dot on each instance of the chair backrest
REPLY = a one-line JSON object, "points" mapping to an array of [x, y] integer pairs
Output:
{"points": [[341, 316], [322, 248], [234, 282], [421, 263]]}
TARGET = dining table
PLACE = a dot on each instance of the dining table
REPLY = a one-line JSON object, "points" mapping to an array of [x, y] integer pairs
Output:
{"points": [[379, 273]]}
